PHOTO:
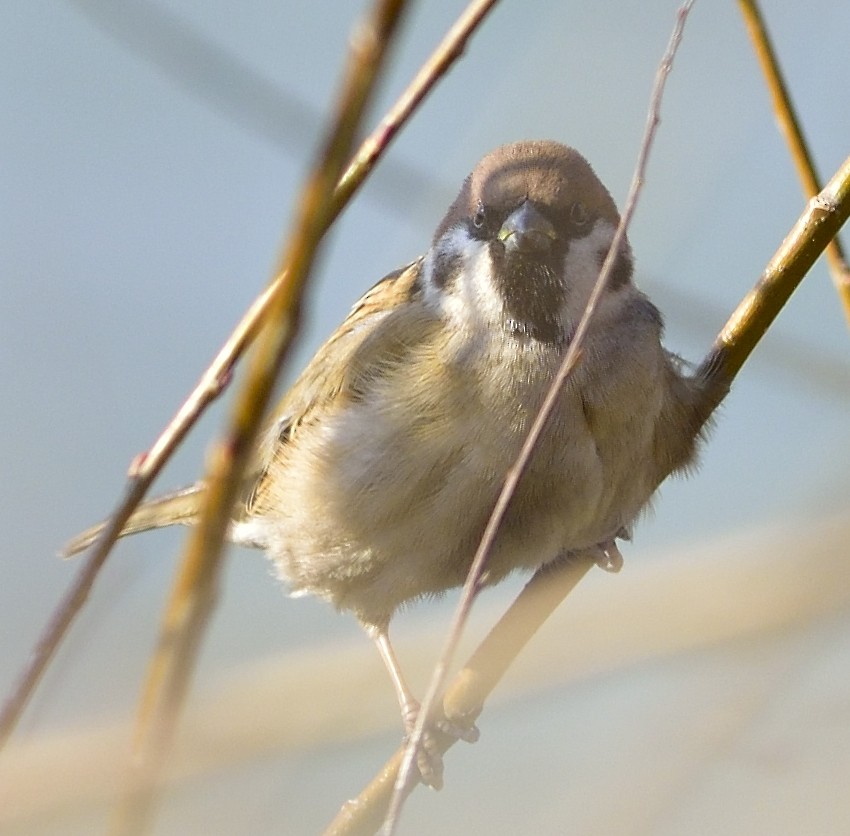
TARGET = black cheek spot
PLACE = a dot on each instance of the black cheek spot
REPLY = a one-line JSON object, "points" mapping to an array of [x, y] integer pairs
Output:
{"points": [[621, 273], [447, 266]]}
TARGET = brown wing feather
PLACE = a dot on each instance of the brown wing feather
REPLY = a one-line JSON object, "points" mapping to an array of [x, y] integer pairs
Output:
{"points": [[331, 374]]}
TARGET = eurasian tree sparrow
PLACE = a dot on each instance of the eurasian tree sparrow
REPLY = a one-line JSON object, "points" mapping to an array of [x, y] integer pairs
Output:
{"points": [[374, 481]]}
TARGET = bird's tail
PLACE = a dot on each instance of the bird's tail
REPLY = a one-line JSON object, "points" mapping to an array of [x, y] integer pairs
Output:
{"points": [[177, 508]]}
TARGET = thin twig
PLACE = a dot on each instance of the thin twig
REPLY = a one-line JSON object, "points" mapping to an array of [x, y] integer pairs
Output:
{"points": [[147, 466], [817, 226], [786, 117], [807, 239], [470, 688], [68, 607], [572, 357], [466, 695], [191, 601], [441, 59]]}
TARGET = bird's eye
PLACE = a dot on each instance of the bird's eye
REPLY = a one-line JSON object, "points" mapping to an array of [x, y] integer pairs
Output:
{"points": [[578, 214], [479, 219]]}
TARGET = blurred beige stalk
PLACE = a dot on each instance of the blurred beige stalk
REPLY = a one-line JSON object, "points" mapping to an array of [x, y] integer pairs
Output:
{"points": [[752, 584]]}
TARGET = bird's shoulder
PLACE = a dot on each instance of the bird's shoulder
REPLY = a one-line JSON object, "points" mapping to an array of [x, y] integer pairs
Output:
{"points": [[383, 324]]}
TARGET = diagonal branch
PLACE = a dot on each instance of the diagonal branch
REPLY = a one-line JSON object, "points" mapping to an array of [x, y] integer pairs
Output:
{"points": [[808, 238], [470, 688], [404, 782], [148, 465], [465, 698], [793, 132], [466, 695], [193, 594]]}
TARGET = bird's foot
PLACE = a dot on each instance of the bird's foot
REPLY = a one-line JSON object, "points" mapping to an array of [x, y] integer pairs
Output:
{"points": [[467, 732], [436, 735]]}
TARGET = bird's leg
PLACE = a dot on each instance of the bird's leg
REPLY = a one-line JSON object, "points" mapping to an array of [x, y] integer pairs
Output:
{"points": [[429, 760], [407, 702]]}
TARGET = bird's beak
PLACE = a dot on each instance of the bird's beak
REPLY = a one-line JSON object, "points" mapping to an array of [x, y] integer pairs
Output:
{"points": [[526, 230]]}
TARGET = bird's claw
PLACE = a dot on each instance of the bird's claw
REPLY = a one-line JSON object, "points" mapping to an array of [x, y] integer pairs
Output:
{"points": [[466, 732], [429, 756], [429, 760], [608, 557]]}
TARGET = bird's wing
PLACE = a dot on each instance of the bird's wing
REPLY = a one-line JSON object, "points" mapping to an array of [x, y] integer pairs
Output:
{"points": [[355, 351], [367, 339]]}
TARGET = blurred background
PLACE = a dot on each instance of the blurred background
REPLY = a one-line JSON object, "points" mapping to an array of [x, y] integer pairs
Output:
{"points": [[150, 154]]}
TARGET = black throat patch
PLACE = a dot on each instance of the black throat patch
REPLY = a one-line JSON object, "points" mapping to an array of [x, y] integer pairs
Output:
{"points": [[533, 294]]}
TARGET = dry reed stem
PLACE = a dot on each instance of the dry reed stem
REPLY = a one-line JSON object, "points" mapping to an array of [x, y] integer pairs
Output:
{"points": [[147, 466], [751, 585], [193, 594], [472, 585], [468, 691], [790, 126], [808, 238], [820, 222]]}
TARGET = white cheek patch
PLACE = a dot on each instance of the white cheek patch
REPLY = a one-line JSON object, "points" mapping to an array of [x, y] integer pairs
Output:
{"points": [[470, 298], [582, 265], [458, 278]]}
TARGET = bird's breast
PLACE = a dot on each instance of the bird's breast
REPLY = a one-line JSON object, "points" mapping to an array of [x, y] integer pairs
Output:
{"points": [[386, 497]]}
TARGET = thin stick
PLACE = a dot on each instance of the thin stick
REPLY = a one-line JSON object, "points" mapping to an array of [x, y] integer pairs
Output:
{"points": [[468, 691], [466, 695], [479, 563], [449, 49], [194, 591], [817, 226], [147, 466], [786, 117]]}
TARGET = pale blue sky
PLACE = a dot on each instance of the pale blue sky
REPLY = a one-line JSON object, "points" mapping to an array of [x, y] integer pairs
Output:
{"points": [[148, 164]]}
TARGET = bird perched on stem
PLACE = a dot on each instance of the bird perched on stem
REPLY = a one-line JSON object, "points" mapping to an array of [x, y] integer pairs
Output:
{"points": [[375, 478]]}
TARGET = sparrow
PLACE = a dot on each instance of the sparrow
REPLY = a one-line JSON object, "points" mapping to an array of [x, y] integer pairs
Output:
{"points": [[373, 482]]}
